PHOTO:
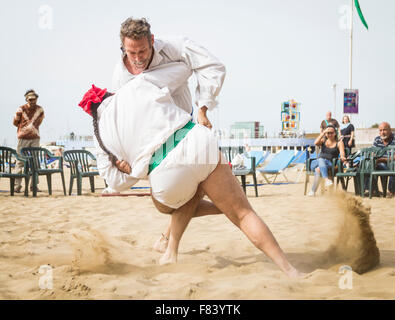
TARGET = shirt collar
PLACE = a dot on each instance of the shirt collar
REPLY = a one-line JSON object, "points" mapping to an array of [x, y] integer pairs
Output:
{"points": [[157, 58]]}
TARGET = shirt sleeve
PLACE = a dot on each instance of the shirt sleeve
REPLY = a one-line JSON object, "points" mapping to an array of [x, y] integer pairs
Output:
{"points": [[209, 71], [40, 119], [116, 179]]}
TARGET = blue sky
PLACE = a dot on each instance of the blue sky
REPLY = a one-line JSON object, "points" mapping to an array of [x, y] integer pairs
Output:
{"points": [[274, 50]]}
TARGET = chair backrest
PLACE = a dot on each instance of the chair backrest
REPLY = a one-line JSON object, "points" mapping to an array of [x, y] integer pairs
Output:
{"points": [[79, 160], [6, 155], [300, 157], [367, 158], [280, 161], [231, 152], [37, 157], [390, 159], [259, 156], [226, 153]]}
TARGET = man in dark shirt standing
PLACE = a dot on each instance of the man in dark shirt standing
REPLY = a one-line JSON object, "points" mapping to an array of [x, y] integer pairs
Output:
{"points": [[329, 120]]}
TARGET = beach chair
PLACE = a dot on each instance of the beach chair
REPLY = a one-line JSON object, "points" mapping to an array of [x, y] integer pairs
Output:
{"points": [[249, 165], [251, 160], [260, 156], [300, 158], [6, 156], [383, 174], [345, 174], [37, 160], [299, 164], [277, 165], [231, 152], [80, 167], [309, 158], [366, 165]]}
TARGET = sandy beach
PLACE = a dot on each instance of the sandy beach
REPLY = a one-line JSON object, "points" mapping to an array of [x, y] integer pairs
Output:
{"points": [[101, 248]]}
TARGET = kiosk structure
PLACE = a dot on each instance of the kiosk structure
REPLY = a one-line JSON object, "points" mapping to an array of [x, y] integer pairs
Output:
{"points": [[290, 117]]}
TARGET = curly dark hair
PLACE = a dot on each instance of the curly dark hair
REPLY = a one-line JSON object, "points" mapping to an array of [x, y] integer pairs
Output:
{"points": [[135, 29]]}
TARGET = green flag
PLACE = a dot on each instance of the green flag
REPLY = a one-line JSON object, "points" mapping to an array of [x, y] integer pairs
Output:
{"points": [[360, 14]]}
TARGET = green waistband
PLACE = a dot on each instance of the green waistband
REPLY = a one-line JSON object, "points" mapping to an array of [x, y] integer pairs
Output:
{"points": [[169, 145]]}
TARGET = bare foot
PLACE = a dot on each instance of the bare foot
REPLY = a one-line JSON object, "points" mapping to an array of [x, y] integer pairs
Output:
{"points": [[167, 258], [294, 274], [161, 244]]}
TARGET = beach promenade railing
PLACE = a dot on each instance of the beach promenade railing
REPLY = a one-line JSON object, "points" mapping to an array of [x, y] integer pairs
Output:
{"points": [[269, 143]]}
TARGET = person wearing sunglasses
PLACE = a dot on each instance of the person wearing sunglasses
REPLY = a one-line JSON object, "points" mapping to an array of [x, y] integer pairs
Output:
{"points": [[331, 147]]}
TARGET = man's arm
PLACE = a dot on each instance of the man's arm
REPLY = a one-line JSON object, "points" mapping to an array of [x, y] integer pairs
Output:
{"points": [[116, 179], [209, 71], [320, 139], [210, 75], [39, 120], [202, 117], [18, 117]]}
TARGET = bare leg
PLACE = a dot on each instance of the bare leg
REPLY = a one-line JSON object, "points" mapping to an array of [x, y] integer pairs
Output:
{"points": [[179, 221], [204, 208], [231, 200], [161, 244]]}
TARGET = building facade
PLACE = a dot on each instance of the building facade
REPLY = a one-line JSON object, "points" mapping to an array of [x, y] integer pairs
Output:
{"points": [[246, 130]]}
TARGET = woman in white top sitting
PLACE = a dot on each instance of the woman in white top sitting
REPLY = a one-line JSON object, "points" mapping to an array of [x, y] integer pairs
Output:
{"points": [[141, 134]]}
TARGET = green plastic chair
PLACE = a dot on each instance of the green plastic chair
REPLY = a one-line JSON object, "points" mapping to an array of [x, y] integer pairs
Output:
{"points": [[38, 166], [383, 174], [250, 166], [367, 163], [6, 156], [80, 168], [345, 174]]}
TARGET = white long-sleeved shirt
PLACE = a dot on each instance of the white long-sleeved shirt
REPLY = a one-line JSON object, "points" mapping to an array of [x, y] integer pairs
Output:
{"points": [[137, 120], [209, 71]]}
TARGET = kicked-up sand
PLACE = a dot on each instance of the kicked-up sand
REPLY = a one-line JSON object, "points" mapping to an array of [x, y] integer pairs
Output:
{"points": [[93, 247]]}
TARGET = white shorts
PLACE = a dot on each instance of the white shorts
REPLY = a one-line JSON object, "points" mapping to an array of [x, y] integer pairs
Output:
{"points": [[175, 180]]}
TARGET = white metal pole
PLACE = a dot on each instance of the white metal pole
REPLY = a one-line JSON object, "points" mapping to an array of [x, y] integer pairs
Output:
{"points": [[351, 36], [334, 100]]}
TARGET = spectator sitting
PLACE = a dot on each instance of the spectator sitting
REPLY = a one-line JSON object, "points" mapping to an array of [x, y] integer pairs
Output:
{"points": [[330, 149], [385, 139]]}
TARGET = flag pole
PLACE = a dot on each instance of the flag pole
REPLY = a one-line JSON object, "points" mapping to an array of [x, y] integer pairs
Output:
{"points": [[351, 36]]}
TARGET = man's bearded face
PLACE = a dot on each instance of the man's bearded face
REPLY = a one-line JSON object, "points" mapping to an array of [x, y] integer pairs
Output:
{"points": [[384, 131], [138, 52]]}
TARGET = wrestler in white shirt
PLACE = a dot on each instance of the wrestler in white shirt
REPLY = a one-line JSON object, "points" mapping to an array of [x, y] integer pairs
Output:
{"points": [[209, 71]]}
